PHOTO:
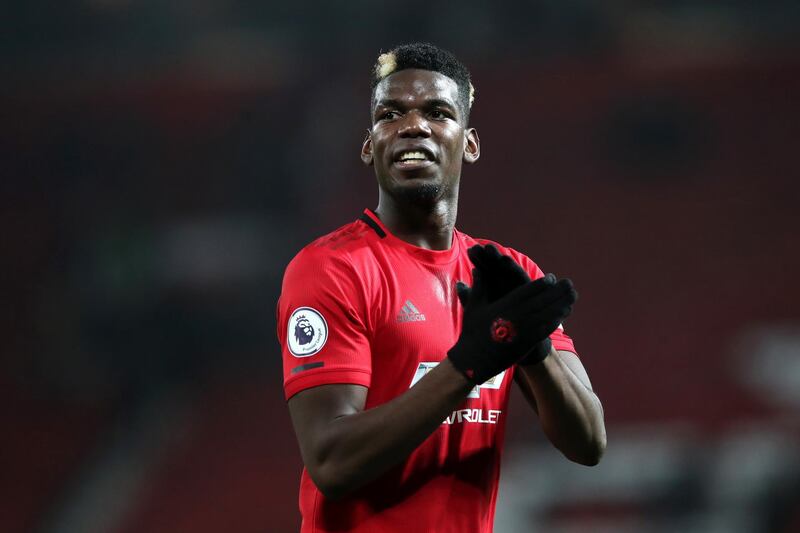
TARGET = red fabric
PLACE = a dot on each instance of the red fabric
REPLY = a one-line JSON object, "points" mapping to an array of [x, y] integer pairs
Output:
{"points": [[389, 307]]}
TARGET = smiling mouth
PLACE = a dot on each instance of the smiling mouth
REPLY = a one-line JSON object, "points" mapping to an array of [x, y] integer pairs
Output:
{"points": [[413, 164], [413, 159]]}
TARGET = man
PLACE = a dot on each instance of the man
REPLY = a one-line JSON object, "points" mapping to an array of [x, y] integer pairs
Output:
{"points": [[401, 335]]}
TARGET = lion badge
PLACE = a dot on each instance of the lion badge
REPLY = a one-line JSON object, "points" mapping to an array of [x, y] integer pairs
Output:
{"points": [[307, 333]]}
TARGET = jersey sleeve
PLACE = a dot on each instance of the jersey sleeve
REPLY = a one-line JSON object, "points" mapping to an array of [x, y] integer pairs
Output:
{"points": [[321, 325], [559, 338]]}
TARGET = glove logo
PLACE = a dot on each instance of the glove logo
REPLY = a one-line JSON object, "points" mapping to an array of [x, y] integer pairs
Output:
{"points": [[503, 331], [307, 332]]}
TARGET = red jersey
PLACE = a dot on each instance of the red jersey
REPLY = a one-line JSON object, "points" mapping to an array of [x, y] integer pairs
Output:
{"points": [[362, 306]]}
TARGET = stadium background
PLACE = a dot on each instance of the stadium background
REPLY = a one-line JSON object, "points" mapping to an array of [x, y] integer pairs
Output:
{"points": [[162, 162]]}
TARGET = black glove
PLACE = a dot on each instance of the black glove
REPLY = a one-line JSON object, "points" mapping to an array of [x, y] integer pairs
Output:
{"points": [[495, 335], [502, 274]]}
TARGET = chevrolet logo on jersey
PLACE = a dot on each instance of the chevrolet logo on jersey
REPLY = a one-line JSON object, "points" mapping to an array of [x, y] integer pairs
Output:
{"points": [[477, 416]]}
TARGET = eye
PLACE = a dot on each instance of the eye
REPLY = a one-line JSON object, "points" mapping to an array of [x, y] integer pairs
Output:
{"points": [[388, 115], [438, 114]]}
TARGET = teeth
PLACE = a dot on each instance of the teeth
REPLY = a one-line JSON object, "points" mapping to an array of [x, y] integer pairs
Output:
{"points": [[412, 155]]}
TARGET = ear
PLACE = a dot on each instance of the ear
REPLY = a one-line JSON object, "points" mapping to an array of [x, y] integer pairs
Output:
{"points": [[366, 150], [472, 145]]}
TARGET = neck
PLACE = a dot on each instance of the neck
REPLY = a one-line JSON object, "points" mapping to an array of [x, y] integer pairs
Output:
{"points": [[428, 226]]}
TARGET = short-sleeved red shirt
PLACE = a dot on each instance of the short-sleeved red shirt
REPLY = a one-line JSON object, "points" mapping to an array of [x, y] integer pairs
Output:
{"points": [[362, 306]]}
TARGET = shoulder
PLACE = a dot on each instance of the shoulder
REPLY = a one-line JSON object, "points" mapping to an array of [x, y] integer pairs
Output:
{"points": [[522, 259], [338, 254]]}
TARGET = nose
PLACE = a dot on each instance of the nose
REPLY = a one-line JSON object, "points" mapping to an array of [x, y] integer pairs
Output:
{"points": [[414, 125]]}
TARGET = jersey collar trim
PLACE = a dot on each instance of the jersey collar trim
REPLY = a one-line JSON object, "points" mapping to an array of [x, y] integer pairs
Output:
{"points": [[372, 223], [429, 256]]}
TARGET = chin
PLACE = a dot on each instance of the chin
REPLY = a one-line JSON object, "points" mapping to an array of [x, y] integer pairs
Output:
{"points": [[422, 193]]}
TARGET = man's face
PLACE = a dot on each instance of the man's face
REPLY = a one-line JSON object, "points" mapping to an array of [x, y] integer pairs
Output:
{"points": [[418, 139]]}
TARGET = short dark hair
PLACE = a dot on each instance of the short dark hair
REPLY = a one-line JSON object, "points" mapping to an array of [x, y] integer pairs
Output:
{"points": [[426, 56]]}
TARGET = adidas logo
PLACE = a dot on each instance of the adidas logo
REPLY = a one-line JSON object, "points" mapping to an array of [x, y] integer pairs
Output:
{"points": [[409, 313]]}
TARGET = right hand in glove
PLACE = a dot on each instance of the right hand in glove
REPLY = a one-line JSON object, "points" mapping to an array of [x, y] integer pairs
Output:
{"points": [[495, 335]]}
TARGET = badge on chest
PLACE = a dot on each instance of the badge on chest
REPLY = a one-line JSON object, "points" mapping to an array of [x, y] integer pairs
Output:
{"points": [[491, 383]]}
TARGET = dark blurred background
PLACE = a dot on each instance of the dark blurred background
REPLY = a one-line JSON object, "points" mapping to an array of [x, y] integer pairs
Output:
{"points": [[163, 161]]}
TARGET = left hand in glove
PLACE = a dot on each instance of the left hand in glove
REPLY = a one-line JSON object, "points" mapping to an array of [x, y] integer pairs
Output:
{"points": [[502, 275]]}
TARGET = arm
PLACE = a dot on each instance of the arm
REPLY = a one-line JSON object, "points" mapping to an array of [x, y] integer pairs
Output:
{"points": [[559, 390], [554, 382], [343, 446]]}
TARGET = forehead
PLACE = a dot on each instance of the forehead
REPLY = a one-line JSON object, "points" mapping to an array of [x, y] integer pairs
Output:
{"points": [[416, 84]]}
